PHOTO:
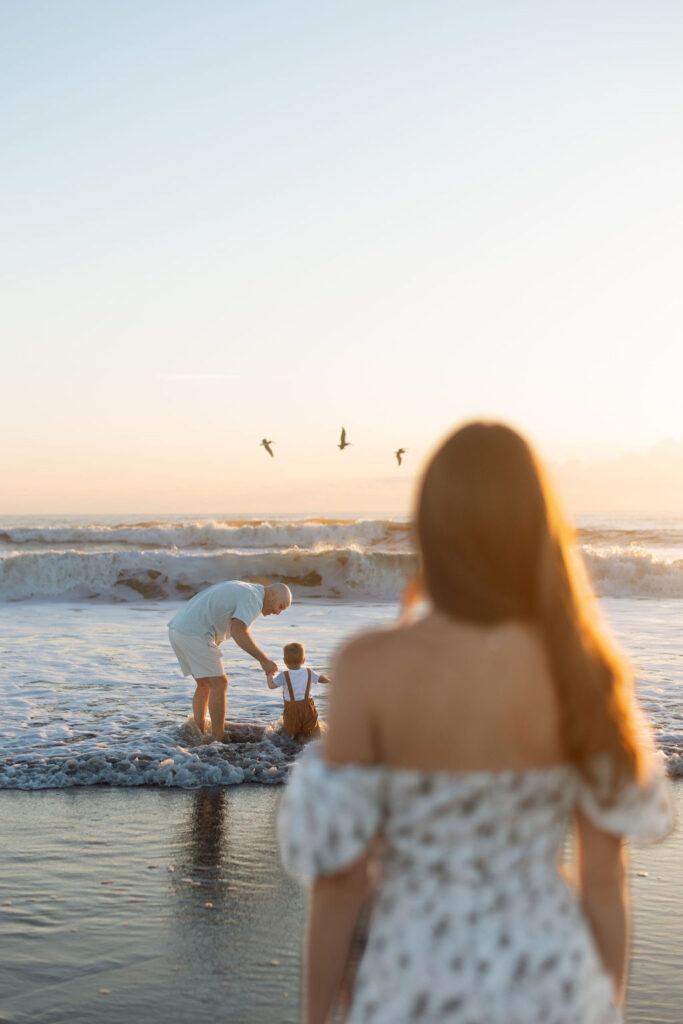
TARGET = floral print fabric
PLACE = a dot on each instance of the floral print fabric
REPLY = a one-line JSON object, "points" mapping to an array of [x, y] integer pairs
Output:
{"points": [[473, 922]]}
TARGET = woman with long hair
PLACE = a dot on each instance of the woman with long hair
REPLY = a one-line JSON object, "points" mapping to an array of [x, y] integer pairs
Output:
{"points": [[462, 742]]}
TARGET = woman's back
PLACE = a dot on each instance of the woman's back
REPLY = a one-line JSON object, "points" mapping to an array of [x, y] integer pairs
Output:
{"points": [[446, 695], [465, 741], [444, 741]]}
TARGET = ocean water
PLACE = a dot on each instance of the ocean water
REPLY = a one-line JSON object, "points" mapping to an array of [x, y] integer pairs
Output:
{"points": [[91, 691]]}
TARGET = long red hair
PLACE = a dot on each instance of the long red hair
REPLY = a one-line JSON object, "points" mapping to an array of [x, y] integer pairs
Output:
{"points": [[494, 545]]}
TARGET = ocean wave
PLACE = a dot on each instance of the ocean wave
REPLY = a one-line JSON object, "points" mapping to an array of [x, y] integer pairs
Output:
{"points": [[123, 576], [633, 572], [656, 536], [312, 532], [344, 573], [214, 535]]}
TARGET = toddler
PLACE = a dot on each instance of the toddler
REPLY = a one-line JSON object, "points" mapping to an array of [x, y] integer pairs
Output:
{"points": [[300, 716]]}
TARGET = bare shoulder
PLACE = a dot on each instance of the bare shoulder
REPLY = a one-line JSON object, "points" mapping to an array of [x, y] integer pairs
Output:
{"points": [[356, 697]]}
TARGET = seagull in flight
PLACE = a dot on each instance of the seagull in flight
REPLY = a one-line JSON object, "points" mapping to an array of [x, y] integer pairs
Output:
{"points": [[399, 453], [266, 444], [343, 443]]}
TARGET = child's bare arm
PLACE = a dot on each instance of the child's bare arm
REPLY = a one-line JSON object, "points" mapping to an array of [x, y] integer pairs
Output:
{"points": [[324, 679], [272, 685]]}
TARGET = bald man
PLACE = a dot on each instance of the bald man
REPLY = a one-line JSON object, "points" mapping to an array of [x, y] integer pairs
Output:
{"points": [[200, 626]]}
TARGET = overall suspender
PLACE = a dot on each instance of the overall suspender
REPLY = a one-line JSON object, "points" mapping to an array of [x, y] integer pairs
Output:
{"points": [[291, 691]]}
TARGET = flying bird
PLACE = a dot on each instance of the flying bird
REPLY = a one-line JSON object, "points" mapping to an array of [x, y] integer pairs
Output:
{"points": [[343, 443], [398, 453], [266, 444]]}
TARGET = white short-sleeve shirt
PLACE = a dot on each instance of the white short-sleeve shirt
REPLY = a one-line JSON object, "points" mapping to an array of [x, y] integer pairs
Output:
{"points": [[210, 612], [299, 679]]}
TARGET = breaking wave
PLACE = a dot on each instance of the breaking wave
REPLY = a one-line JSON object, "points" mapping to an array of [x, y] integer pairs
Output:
{"points": [[343, 573], [637, 536], [124, 576], [213, 535], [629, 572]]}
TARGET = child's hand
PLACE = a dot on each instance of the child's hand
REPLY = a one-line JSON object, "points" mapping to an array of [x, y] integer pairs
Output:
{"points": [[324, 679]]}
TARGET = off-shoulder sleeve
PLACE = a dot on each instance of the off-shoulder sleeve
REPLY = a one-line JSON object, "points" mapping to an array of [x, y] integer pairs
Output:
{"points": [[328, 814], [642, 812]]}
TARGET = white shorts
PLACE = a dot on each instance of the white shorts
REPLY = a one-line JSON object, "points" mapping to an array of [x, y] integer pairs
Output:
{"points": [[199, 656]]}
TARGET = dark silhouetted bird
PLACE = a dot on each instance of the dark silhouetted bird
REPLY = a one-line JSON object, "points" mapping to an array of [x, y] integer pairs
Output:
{"points": [[266, 444], [399, 453], [343, 443]]}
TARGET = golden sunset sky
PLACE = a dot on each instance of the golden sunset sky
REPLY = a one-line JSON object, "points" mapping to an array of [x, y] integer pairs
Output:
{"points": [[229, 221]]}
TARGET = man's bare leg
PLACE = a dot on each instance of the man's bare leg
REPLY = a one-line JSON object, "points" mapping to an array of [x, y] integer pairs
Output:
{"points": [[200, 703], [218, 688]]}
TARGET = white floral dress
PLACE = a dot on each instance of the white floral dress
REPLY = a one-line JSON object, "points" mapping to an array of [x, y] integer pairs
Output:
{"points": [[473, 922]]}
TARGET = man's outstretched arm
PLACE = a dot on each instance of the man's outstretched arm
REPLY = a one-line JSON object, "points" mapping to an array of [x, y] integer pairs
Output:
{"points": [[242, 637]]}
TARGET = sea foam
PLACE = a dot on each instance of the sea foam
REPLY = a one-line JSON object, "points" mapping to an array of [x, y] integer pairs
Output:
{"points": [[186, 760], [162, 575], [343, 573]]}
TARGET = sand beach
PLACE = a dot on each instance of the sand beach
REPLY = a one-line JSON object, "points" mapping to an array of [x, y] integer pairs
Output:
{"points": [[171, 906]]}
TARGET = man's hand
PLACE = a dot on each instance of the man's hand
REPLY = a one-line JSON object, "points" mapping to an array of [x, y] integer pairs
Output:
{"points": [[268, 666]]}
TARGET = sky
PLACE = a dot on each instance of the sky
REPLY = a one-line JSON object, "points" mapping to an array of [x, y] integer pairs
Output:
{"points": [[224, 221]]}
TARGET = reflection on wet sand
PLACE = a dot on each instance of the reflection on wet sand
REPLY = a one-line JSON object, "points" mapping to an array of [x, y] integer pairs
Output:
{"points": [[201, 869], [235, 919]]}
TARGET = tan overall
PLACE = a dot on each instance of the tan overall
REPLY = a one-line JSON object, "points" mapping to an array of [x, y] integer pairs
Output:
{"points": [[300, 717]]}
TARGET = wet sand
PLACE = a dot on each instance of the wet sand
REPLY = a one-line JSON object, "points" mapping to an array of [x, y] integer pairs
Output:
{"points": [[101, 929], [170, 906]]}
